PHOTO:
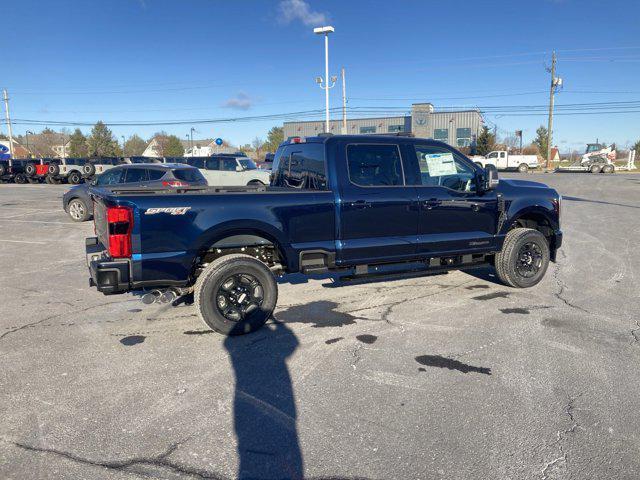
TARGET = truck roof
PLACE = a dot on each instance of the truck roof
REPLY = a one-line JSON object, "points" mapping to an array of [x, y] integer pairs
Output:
{"points": [[325, 138]]}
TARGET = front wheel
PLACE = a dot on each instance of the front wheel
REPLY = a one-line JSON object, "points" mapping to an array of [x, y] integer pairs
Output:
{"points": [[524, 258], [20, 178], [236, 294], [595, 169], [523, 168], [608, 168], [78, 210]]}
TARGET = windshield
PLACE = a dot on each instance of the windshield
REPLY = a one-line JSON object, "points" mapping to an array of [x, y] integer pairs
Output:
{"points": [[247, 163]]}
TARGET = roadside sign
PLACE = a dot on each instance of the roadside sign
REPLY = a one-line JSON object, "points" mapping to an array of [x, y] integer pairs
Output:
{"points": [[218, 141]]}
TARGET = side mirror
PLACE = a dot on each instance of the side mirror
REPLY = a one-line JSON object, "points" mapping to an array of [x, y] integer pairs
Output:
{"points": [[491, 177], [239, 168]]}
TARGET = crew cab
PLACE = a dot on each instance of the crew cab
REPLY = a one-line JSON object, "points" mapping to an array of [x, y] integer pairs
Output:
{"points": [[503, 160], [362, 204]]}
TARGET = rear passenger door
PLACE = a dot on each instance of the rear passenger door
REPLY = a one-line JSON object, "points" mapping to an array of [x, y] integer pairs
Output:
{"points": [[378, 216]]}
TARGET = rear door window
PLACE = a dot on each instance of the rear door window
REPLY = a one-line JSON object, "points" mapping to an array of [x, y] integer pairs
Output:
{"points": [[135, 175], [377, 165], [188, 175], [156, 174], [213, 164]]}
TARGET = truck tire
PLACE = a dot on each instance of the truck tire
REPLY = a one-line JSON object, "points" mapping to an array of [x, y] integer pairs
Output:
{"points": [[594, 169], [256, 183], [89, 169], [608, 168], [523, 168], [524, 258], [30, 169], [20, 178], [75, 178], [235, 294], [54, 169], [78, 210]]}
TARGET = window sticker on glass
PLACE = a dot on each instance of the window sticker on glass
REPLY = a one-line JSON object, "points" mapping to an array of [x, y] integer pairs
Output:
{"points": [[438, 164]]}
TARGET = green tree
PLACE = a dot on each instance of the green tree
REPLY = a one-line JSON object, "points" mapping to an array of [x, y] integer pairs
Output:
{"points": [[101, 142], [78, 144], [274, 138], [486, 141], [542, 141], [174, 147], [636, 147], [134, 146]]}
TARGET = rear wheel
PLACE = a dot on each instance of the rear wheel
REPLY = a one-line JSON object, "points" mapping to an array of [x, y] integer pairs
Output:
{"points": [[236, 294], [78, 210], [608, 168], [75, 178], [595, 169], [524, 258], [256, 183], [523, 168]]}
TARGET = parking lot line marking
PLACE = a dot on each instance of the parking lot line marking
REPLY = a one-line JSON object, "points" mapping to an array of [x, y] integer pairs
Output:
{"points": [[22, 241], [35, 221]]}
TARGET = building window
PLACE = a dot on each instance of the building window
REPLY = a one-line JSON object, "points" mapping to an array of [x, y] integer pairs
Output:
{"points": [[441, 134], [368, 129], [395, 128], [463, 137]]}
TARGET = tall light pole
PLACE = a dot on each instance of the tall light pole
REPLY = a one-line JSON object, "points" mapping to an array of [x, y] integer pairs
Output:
{"points": [[6, 111], [191, 139], [27, 138], [327, 83], [123, 145]]}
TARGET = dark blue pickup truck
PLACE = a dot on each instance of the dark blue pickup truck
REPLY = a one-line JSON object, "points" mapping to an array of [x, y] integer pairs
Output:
{"points": [[335, 203]]}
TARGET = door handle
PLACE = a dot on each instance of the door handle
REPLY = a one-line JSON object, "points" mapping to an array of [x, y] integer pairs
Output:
{"points": [[432, 202], [360, 204]]}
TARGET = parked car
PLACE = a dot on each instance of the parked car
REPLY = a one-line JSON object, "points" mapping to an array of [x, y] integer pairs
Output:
{"points": [[69, 169], [363, 204], [229, 170], [503, 160], [267, 163], [77, 201]]}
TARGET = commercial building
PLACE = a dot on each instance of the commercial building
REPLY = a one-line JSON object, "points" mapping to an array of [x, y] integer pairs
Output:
{"points": [[457, 128]]}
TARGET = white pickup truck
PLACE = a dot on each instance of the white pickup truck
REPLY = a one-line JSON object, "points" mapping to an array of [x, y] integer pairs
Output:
{"points": [[502, 160]]}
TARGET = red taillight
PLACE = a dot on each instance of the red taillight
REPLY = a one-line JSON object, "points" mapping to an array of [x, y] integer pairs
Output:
{"points": [[174, 183], [120, 220]]}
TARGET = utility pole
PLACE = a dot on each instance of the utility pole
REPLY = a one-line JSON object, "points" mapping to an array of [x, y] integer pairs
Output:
{"points": [[6, 111], [344, 104], [555, 82]]}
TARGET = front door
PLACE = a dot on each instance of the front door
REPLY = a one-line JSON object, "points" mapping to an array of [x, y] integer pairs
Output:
{"points": [[455, 215], [378, 218]]}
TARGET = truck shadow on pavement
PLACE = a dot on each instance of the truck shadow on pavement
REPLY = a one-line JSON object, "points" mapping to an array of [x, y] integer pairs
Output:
{"points": [[264, 407]]}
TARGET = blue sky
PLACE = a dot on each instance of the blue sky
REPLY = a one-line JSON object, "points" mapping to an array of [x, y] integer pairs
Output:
{"points": [[146, 60]]}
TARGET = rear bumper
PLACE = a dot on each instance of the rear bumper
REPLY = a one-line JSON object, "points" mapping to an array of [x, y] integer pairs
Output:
{"points": [[107, 275]]}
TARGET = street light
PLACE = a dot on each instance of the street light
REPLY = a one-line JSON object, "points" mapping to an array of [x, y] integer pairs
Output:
{"points": [[27, 140], [123, 145], [191, 139], [328, 83]]}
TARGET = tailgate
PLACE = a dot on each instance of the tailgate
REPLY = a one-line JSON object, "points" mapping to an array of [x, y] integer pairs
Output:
{"points": [[100, 220]]}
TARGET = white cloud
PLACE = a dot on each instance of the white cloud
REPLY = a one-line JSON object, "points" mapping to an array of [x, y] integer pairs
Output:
{"points": [[292, 10], [241, 101]]}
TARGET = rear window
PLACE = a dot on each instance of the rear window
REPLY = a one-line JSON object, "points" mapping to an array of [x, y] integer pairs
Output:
{"points": [[188, 175]]}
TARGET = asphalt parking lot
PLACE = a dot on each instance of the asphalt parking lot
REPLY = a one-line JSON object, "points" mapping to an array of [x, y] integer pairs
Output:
{"points": [[449, 376]]}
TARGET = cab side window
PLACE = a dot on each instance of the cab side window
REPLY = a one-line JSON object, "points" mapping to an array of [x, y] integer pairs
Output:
{"points": [[135, 175], [375, 165], [228, 164], [444, 168]]}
